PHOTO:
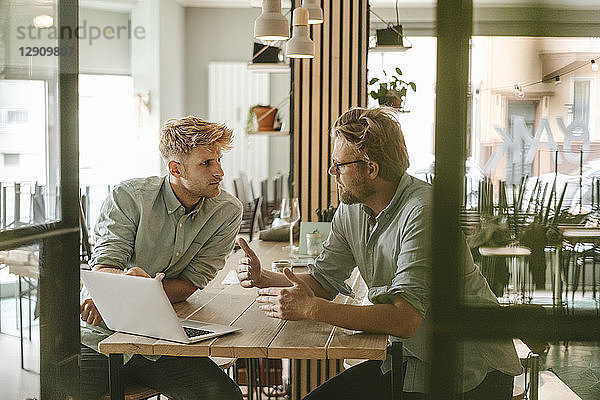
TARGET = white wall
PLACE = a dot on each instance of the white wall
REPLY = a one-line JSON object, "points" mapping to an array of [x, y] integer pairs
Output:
{"points": [[213, 34], [279, 147], [172, 59], [145, 70], [108, 54]]}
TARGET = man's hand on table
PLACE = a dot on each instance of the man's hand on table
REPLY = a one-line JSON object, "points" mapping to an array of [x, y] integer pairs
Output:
{"points": [[290, 303], [89, 313], [249, 271]]}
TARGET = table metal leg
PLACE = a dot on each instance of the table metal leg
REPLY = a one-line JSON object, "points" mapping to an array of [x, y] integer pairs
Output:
{"points": [[250, 378], [117, 386], [21, 322], [397, 371], [534, 364]]}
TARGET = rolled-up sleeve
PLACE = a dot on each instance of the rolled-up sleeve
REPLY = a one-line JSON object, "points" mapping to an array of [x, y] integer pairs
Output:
{"points": [[335, 263], [211, 258], [413, 265], [116, 229]]}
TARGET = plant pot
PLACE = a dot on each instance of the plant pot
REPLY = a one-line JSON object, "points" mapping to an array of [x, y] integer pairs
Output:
{"points": [[265, 118], [391, 101], [389, 36]]}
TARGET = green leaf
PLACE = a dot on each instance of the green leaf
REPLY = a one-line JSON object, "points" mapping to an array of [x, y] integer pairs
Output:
{"points": [[372, 81], [413, 86], [398, 71], [373, 94]]}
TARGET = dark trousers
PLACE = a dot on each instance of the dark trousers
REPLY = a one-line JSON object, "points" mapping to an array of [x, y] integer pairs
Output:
{"points": [[365, 381], [184, 378]]}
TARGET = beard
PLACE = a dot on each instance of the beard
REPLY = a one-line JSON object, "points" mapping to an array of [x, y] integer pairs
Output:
{"points": [[358, 194]]}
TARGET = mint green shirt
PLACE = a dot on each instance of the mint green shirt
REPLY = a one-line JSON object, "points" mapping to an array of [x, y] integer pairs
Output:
{"points": [[143, 224], [391, 253]]}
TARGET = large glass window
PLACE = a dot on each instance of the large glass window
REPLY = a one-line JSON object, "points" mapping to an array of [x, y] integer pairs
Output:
{"points": [[417, 119], [113, 145], [533, 115]]}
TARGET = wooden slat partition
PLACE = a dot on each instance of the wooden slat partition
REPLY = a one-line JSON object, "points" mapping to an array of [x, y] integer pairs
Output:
{"points": [[323, 88]]}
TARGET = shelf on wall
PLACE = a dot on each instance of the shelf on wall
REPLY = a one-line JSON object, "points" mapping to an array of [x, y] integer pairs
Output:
{"points": [[268, 133], [388, 48], [269, 67]]}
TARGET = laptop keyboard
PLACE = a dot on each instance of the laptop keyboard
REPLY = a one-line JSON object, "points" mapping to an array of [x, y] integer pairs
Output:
{"points": [[192, 332]]}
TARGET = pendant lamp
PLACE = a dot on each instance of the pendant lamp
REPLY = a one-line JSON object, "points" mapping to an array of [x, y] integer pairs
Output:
{"points": [[300, 45], [271, 24], [315, 12]]}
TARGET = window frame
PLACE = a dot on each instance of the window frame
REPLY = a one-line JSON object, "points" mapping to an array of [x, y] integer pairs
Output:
{"points": [[452, 321], [58, 284]]}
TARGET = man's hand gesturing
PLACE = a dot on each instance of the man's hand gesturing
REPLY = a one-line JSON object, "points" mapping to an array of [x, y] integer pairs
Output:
{"points": [[248, 269]]}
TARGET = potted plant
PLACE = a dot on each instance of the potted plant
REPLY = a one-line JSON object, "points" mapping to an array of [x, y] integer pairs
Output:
{"points": [[392, 93], [261, 118]]}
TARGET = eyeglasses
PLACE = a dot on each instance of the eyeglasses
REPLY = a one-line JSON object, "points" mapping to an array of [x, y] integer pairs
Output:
{"points": [[336, 165]]}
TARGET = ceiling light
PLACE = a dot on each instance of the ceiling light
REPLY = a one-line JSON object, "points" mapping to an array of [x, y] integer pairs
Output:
{"points": [[271, 24], [43, 21], [300, 45], [315, 12], [594, 66]]}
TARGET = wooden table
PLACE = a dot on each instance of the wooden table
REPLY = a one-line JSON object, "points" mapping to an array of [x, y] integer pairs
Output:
{"points": [[316, 348]]}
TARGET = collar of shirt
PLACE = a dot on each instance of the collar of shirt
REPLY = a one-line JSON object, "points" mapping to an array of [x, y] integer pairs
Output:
{"points": [[172, 202], [391, 208]]}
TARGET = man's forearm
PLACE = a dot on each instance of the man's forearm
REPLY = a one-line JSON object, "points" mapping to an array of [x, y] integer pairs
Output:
{"points": [[380, 318], [108, 268], [178, 289]]}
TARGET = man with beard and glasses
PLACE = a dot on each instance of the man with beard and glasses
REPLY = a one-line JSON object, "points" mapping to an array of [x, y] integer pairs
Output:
{"points": [[178, 228], [382, 226]]}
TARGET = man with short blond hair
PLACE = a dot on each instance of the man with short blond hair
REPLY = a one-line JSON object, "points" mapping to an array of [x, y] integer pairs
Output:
{"points": [[382, 226], [178, 228]]}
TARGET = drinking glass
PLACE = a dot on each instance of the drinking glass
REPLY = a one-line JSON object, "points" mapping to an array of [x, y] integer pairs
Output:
{"points": [[290, 212]]}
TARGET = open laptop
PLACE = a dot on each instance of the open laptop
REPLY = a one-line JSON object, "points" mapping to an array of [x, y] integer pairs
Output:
{"points": [[138, 305]]}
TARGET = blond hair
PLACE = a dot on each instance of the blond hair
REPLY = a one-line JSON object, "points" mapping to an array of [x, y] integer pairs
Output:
{"points": [[375, 135], [179, 136]]}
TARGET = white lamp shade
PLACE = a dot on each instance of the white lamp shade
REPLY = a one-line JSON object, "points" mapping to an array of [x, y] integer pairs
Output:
{"points": [[315, 12], [271, 24], [300, 45]]}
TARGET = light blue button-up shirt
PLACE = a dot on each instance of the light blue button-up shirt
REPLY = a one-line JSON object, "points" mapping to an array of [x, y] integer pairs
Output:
{"points": [[391, 253], [143, 224]]}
